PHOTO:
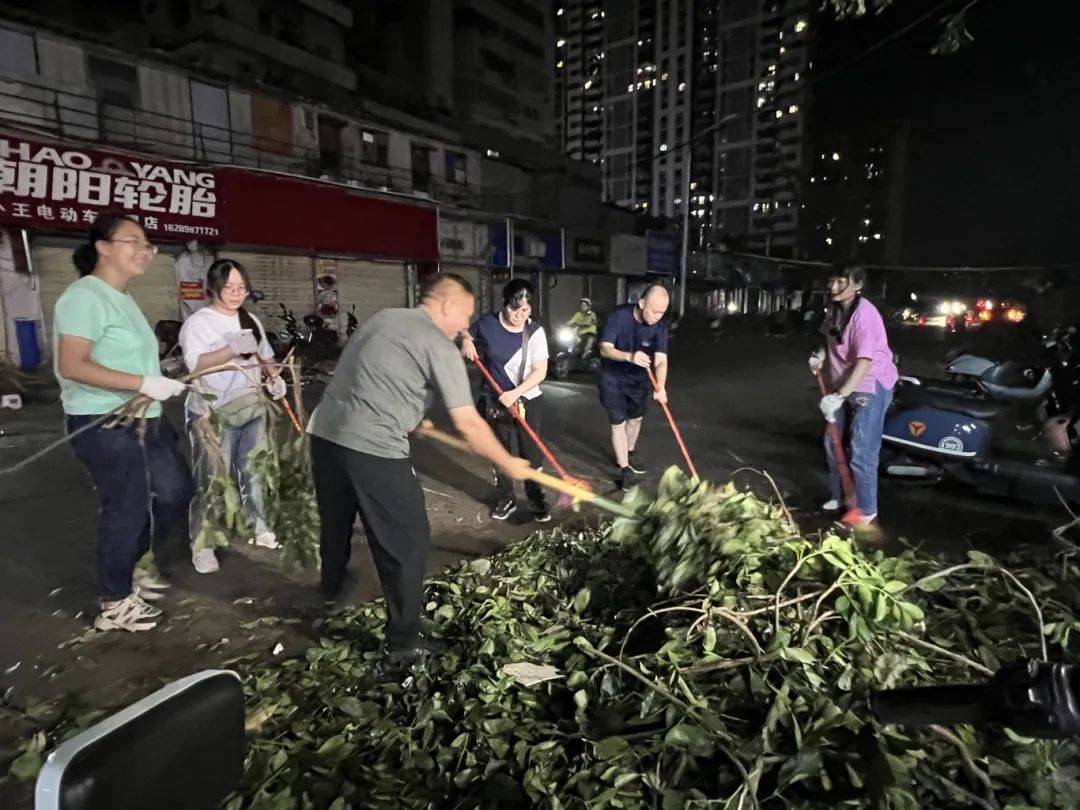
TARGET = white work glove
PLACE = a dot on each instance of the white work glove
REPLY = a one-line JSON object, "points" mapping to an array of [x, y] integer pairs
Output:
{"points": [[161, 388], [817, 361], [242, 343], [830, 404], [275, 387]]}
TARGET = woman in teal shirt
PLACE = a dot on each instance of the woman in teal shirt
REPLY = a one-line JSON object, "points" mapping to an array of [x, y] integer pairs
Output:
{"points": [[105, 352]]}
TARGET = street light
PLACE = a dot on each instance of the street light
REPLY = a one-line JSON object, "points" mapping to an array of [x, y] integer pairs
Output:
{"points": [[686, 198]]}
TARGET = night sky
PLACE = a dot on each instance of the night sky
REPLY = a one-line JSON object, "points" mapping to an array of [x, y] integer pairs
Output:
{"points": [[994, 161]]}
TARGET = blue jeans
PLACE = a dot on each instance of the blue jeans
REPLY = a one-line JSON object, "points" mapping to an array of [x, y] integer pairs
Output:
{"points": [[861, 421], [236, 444], [130, 479]]}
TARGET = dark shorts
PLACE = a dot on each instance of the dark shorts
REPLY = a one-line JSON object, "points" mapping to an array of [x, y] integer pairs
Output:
{"points": [[623, 401]]}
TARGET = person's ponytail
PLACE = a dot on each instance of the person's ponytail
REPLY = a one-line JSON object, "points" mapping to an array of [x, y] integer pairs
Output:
{"points": [[85, 258]]}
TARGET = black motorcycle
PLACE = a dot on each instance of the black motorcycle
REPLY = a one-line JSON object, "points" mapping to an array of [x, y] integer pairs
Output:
{"points": [[574, 352]]}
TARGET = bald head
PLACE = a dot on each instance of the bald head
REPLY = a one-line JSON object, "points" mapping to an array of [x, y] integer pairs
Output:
{"points": [[444, 285], [653, 303]]}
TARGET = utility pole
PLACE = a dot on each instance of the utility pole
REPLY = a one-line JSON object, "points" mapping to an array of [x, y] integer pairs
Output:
{"points": [[686, 147]]}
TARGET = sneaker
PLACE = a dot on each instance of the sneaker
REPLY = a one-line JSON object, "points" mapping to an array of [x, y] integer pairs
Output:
{"points": [[831, 505], [205, 561], [267, 539], [866, 520], [148, 610], [627, 479], [634, 464], [541, 515], [123, 615], [149, 581], [503, 509]]}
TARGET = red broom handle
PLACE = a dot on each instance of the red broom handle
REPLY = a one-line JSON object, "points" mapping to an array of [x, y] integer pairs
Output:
{"points": [[516, 413], [674, 427], [838, 450]]}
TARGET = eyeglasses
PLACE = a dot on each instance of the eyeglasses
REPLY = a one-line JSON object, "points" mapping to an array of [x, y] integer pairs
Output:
{"points": [[140, 247]]}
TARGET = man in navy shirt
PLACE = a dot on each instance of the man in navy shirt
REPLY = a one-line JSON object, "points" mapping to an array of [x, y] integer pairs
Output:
{"points": [[633, 341]]}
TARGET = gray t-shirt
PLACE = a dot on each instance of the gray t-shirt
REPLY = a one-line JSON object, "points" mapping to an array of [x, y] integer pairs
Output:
{"points": [[386, 381]]}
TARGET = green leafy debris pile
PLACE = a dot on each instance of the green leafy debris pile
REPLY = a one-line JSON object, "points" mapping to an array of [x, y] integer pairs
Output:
{"points": [[706, 654], [283, 469]]}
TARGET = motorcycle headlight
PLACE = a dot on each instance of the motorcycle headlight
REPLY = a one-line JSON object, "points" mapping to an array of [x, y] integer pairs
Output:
{"points": [[565, 336]]}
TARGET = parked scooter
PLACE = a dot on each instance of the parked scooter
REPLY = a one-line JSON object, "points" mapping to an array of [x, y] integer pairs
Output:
{"points": [[172, 360], [933, 436], [316, 349], [574, 352]]}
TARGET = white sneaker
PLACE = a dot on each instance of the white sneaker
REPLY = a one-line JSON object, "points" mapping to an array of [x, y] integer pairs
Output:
{"points": [[866, 519], [205, 561], [149, 581], [127, 614], [831, 505], [267, 539], [148, 610]]}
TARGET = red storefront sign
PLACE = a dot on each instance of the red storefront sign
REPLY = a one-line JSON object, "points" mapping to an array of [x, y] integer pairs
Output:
{"points": [[60, 186], [266, 208], [51, 185]]}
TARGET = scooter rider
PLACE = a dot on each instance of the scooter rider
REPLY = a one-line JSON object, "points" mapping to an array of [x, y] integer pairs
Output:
{"points": [[633, 341], [584, 324], [861, 375], [514, 350]]}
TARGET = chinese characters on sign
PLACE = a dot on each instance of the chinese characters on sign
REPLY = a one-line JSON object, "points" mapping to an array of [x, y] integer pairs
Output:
{"points": [[52, 186]]}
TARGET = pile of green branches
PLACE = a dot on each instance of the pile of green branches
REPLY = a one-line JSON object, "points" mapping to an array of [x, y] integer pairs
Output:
{"points": [[706, 651]]}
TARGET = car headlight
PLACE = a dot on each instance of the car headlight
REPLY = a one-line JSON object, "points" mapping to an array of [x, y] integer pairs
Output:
{"points": [[565, 336], [944, 308]]}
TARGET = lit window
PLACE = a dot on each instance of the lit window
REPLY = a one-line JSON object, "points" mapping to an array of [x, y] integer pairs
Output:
{"points": [[828, 240], [640, 43], [630, 88], [559, 64], [866, 222], [491, 153], [682, 86], [760, 102], [796, 75], [783, 50], [663, 147], [794, 108], [800, 26], [835, 155], [677, 201], [663, 77], [693, 185], [588, 84], [877, 235], [772, 68], [644, 205], [559, 13], [779, 113], [560, 43]]}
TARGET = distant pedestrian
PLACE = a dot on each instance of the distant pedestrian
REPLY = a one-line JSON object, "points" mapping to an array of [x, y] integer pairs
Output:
{"points": [[387, 378], [861, 376], [633, 342], [514, 349], [219, 333], [106, 352]]}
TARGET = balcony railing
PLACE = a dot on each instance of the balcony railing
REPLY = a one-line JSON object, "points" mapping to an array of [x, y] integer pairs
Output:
{"points": [[83, 117]]}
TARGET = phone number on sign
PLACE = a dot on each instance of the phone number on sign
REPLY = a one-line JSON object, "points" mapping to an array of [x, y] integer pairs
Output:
{"points": [[196, 230]]}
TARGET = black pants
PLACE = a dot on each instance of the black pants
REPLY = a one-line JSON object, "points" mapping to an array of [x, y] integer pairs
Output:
{"points": [[388, 496], [131, 474], [517, 442]]}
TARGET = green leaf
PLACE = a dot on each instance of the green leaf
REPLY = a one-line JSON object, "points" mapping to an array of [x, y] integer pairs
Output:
{"points": [[797, 654], [581, 600], [611, 747], [581, 698]]}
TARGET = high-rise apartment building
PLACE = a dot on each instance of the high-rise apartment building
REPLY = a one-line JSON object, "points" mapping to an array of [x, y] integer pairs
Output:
{"points": [[726, 78]]}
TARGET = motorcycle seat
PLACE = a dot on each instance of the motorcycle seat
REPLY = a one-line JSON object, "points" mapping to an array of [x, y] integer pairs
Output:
{"points": [[970, 406], [1012, 374], [947, 388]]}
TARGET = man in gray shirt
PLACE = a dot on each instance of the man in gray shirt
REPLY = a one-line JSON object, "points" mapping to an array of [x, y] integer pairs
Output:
{"points": [[387, 378]]}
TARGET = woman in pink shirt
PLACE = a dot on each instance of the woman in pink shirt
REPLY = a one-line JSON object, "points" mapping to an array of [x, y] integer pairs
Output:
{"points": [[860, 375]]}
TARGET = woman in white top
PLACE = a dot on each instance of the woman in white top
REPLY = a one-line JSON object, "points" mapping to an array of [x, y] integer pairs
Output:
{"points": [[211, 337]]}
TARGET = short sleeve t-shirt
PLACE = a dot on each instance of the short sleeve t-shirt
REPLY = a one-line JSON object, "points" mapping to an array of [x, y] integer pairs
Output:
{"points": [[386, 380], [122, 341], [627, 334], [864, 338], [500, 352], [207, 331]]}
